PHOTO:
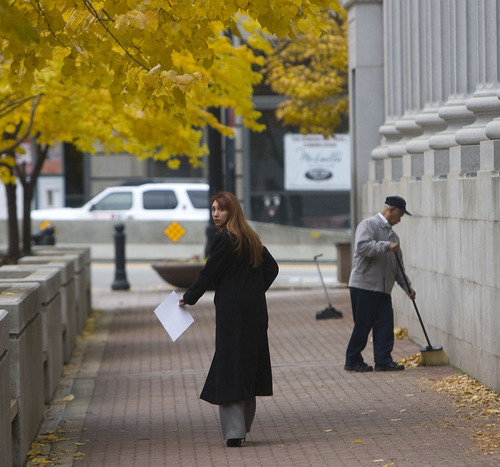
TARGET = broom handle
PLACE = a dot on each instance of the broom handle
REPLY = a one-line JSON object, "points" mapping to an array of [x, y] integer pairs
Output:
{"points": [[322, 281], [414, 304]]}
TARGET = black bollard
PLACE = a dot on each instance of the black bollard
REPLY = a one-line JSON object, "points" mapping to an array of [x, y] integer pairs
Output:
{"points": [[44, 236], [120, 282], [50, 239]]}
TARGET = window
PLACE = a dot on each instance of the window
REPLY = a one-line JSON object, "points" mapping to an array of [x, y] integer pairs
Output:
{"points": [[114, 202], [199, 198], [159, 199]]}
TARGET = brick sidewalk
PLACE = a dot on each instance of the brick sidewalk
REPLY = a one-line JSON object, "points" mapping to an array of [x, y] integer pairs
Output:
{"points": [[137, 396]]}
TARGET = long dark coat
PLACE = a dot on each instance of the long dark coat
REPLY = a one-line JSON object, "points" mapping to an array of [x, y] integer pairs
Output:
{"points": [[241, 366]]}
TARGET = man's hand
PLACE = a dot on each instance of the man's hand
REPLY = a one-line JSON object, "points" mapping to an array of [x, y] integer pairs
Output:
{"points": [[412, 294], [182, 303], [394, 247]]}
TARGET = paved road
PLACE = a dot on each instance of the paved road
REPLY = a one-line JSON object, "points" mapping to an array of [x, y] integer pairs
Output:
{"points": [[142, 275]]}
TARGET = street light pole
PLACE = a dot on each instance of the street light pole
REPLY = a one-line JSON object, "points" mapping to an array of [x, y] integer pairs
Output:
{"points": [[215, 172]]}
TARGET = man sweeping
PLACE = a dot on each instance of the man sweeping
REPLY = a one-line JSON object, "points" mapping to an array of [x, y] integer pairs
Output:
{"points": [[374, 271]]}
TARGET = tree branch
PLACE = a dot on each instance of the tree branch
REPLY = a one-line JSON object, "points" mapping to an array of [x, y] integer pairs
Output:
{"points": [[11, 103], [94, 13], [20, 139], [42, 13]]}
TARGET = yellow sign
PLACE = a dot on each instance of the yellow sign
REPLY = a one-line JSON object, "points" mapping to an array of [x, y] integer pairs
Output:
{"points": [[174, 231], [44, 225]]}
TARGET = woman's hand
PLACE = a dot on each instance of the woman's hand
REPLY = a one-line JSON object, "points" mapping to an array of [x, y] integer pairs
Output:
{"points": [[182, 303]]}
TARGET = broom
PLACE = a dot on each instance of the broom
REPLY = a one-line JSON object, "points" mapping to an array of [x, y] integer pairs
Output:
{"points": [[429, 355], [329, 311]]}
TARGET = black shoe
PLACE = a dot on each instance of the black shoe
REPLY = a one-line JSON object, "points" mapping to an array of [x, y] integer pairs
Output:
{"points": [[393, 366], [234, 443], [359, 367]]}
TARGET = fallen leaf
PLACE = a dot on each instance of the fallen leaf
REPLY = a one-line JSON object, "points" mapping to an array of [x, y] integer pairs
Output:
{"points": [[480, 405], [411, 361], [395, 419], [63, 400], [357, 441], [40, 460], [400, 333], [328, 430]]}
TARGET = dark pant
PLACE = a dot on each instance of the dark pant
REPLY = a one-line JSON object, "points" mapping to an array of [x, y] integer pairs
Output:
{"points": [[371, 311]]}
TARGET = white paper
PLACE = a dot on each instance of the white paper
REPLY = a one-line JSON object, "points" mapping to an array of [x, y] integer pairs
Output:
{"points": [[174, 319]]}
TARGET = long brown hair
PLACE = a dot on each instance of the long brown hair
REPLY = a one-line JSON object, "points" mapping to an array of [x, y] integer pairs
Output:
{"points": [[237, 225]]}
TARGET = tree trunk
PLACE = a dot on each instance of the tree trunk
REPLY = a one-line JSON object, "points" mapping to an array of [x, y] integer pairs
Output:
{"points": [[28, 182], [27, 196], [13, 252]]}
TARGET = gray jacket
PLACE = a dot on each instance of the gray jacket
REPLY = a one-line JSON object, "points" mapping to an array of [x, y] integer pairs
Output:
{"points": [[374, 266]]}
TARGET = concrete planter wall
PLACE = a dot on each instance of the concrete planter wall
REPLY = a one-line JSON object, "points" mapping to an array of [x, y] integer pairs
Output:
{"points": [[38, 328], [80, 281], [49, 280], [22, 303], [5, 400], [82, 268], [69, 305]]}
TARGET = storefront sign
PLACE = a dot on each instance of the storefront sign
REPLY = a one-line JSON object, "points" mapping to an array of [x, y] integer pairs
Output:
{"points": [[316, 163]]}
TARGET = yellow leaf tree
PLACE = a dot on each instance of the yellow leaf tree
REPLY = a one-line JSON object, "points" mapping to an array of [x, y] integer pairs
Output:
{"points": [[139, 76], [312, 74], [132, 49], [68, 112]]}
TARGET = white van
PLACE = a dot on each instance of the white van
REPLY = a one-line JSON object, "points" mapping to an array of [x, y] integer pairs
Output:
{"points": [[176, 201]]}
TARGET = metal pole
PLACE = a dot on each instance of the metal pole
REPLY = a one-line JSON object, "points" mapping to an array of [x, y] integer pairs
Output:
{"points": [[215, 173], [120, 282]]}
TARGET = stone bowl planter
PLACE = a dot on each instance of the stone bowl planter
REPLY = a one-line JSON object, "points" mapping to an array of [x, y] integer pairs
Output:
{"points": [[177, 273]]}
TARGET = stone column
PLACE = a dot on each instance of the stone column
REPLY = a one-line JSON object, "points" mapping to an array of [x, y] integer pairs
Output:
{"points": [[490, 150], [484, 103], [366, 91], [493, 128], [410, 23], [459, 48], [434, 28], [393, 95]]}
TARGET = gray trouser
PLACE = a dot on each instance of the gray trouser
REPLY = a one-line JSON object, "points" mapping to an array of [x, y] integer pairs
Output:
{"points": [[236, 418]]}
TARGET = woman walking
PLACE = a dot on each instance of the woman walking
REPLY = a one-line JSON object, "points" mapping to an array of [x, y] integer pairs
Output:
{"points": [[241, 269]]}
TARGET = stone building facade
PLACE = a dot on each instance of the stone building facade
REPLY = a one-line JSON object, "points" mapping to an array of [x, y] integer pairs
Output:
{"points": [[425, 124]]}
